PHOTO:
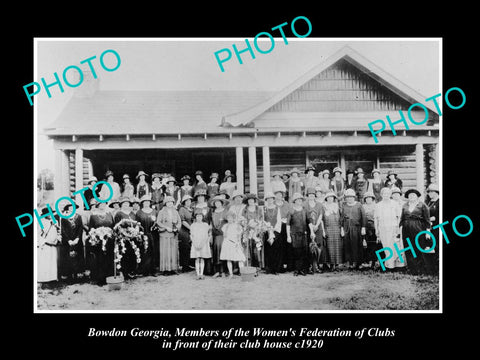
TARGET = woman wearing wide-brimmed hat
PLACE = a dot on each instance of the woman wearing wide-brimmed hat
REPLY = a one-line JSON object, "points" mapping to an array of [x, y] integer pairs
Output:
{"points": [[236, 204], [316, 228], [128, 261], [324, 181], [199, 183], [393, 180], [72, 253], [218, 220], [361, 184], [372, 243], [186, 215], [277, 183], [147, 216], [297, 234], [105, 191], [200, 199], [353, 226], [286, 251], [213, 187], [157, 189], [142, 188], [311, 181], [169, 222], [124, 211], [100, 262], [414, 219], [331, 221], [252, 237], [350, 179], [338, 184], [128, 189], [172, 190], [376, 184], [295, 184], [48, 240], [272, 241], [228, 185], [386, 220], [88, 194]]}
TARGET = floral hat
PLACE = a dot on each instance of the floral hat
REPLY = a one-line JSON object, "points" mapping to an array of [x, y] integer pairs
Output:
{"points": [[185, 177]]}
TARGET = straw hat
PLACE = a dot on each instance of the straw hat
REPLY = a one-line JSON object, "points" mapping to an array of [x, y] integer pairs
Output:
{"points": [[146, 197], [309, 168], [93, 202], [295, 170], [140, 173], [360, 171], [409, 191], [326, 171], [310, 191], [337, 169], [286, 174], [318, 189], [125, 176], [237, 193], [168, 199], [185, 198], [200, 192], [231, 214], [349, 193], [250, 196], [297, 196], [108, 173], [391, 172], [185, 177], [330, 193], [375, 171], [136, 200], [369, 194], [199, 172], [396, 190], [171, 179], [198, 212], [214, 175], [224, 192], [218, 198], [111, 202], [229, 176], [123, 199], [268, 195], [92, 179], [156, 175]]}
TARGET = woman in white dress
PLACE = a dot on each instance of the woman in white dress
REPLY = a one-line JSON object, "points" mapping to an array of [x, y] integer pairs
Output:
{"points": [[47, 253], [387, 218]]}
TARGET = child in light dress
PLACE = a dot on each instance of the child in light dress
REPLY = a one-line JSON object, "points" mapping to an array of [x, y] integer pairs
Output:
{"points": [[232, 248], [201, 236]]}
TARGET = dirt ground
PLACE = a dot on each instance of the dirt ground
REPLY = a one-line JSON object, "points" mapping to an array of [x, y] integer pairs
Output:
{"points": [[344, 290]]}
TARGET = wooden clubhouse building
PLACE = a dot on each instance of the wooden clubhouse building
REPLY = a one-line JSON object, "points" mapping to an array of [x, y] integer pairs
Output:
{"points": [[320, 120]]}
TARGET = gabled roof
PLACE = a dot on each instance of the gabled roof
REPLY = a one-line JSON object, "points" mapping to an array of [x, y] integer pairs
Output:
{"points": [[346, 53]]}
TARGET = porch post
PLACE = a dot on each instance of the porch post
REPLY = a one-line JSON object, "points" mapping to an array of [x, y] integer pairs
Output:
{"points": [[420, 168], [61, 179], [239, 169], [78, 173], [266, 169], [252, 169]]}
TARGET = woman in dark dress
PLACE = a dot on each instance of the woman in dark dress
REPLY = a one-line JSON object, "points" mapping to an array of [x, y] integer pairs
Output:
{"points": [[147, 216], [185, 189], [72, 256], [129, 259], [376, 184], [273, 246], [414, 219], [101, 262], [361, 184], [213, 188], [200, 184], [157, 192], [353, 222], [317, 230], [297, 234], [186, 215], [393, 181], [218, 220], [253, 217], [142, 188]]}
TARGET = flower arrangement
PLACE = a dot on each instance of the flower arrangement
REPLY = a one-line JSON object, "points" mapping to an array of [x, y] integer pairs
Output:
{"points": [[255, 230], [128, 231], [100, 236]]}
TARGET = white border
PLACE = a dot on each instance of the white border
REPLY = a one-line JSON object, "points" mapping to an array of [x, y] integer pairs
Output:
{"points": [[440, 165]]}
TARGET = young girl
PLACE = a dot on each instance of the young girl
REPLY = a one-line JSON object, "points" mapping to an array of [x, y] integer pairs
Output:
{"points": [[232, 248], [201, 236]]}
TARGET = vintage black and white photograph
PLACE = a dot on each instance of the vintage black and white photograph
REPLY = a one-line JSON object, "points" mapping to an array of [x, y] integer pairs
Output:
{"points": [[238, 179]]}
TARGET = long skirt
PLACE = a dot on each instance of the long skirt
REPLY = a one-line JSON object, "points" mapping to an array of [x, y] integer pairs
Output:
{"points": [[372, 245], [273, 253], [146, 266], [322, 245], [300, 251], [47, 263], [287, 249], [101, 263], [334, 245], [257, 256], [168, 251], [421, 263], [353, 244], [71, 259], [184, 245], [217, 249]]}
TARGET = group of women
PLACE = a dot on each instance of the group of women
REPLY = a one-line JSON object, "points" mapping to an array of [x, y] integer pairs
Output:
{"points": [[305, 224]]}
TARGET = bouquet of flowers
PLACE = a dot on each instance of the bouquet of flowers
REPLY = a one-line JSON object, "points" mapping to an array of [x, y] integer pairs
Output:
{"points": [[255, 230], [128, 231], [100, 236]]}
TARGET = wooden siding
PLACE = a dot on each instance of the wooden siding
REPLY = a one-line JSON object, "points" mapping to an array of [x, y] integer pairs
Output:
{"points": [[341, 87]]}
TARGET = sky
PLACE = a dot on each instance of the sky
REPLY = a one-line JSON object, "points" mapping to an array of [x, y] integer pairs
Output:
{"points": [[180, 64]]}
